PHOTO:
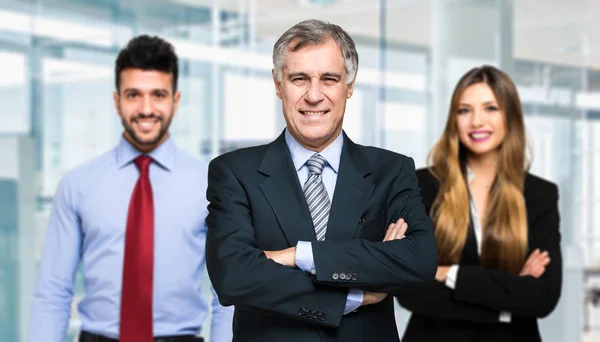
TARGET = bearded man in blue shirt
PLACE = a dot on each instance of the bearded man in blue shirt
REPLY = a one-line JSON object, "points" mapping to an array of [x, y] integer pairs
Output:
{"points": [[131, 219]]}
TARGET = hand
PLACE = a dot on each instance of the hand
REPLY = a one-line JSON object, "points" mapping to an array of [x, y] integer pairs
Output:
{"points": [[396, 231], [286, 257], [442, 273], [536, 264], [370, 298]]}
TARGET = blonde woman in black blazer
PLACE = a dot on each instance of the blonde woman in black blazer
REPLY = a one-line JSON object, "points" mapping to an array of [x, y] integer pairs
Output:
{"points": [[497, 226]]}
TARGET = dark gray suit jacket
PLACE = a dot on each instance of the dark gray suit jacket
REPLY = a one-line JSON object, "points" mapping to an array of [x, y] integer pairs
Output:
{"points": [[257, 203]]}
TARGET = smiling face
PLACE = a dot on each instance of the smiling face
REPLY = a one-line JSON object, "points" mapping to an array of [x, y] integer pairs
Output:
{"points": [[146, 104], [481, 123], [313, 90]]}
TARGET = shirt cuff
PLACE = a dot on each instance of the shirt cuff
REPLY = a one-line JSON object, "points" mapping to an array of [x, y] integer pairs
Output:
{"points": [[451, 276], [354, 300], [505, 317], [304, 257]]}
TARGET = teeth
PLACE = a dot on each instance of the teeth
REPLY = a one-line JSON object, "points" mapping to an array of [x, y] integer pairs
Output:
{"points": [[314, 113], [146, 125], [480, 135]]}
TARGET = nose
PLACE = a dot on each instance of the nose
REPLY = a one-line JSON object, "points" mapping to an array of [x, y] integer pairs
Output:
{"points": [[146, 105], [314, 92], [477, 118]]}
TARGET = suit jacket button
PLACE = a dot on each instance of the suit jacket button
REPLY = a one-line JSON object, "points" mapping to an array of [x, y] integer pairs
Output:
{"points": [[335, 276], [302, 312], [342, 276], [321, 316], [354, 276]]}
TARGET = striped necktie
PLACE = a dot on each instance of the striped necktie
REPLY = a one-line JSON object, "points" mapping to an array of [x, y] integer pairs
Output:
{"points": [[316, 195]]}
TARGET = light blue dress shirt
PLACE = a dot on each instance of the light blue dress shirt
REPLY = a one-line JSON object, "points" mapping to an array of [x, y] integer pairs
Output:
{"points": [[333, 154], [87, 225]]}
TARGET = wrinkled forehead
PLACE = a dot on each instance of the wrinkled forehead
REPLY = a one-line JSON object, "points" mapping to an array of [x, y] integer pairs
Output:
{"points": [[314, 58]]}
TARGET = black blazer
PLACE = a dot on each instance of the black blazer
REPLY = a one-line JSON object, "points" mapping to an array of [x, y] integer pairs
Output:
{"points": [[257, 203], [471, 311]]}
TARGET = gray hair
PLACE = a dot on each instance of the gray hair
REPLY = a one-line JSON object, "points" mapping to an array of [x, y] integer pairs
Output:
{"points": [[315, 32]]}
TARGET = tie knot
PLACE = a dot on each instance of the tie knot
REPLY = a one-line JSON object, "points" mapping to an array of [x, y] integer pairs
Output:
{"points": [[142, 162], [316, 164]]}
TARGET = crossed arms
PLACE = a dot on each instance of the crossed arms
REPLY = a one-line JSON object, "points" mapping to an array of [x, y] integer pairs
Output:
{"points": [[244, 275]]}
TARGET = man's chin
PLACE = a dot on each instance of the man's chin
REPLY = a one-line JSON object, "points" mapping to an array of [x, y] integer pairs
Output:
{"points": [[146, 141]]}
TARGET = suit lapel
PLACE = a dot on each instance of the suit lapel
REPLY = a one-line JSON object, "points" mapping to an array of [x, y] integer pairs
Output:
{"points": [[283, 193], [352, 192]]}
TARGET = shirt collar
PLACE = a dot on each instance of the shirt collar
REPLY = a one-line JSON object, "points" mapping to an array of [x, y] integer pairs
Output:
{"points": [[163, 155], [300, 154], [470, 174]]}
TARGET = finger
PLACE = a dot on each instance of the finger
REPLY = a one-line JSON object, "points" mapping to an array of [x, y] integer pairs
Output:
{"points": [[391, 234], [532, 256], [539, 256], [542, 258], [397, 233], [400, 221], [402, 231], [388, 232], [546, 261]]}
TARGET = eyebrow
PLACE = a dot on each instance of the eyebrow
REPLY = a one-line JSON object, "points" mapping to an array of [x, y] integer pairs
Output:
{"points": [[296, 74], [485, 103], [155, 90], [325, 74], [332, 74]]}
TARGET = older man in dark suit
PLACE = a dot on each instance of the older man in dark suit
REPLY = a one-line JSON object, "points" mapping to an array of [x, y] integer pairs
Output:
{"points": [[309, 234]]}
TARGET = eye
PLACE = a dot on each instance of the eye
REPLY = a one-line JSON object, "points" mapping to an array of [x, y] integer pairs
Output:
{"points": [[131, 95], [463, 110], [330, 80], [491, 108]]}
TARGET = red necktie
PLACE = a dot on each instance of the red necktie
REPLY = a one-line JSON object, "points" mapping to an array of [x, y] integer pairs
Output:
{"points": [[138, 264]]}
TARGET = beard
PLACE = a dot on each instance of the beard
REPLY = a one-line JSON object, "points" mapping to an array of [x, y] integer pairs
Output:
{"points": [[164, 128]]}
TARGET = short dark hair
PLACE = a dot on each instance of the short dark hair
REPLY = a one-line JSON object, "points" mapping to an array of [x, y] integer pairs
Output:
{"points": [[147, 53]]}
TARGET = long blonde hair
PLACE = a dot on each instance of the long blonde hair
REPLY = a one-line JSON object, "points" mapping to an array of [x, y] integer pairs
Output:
{"points": [[504, 238]]}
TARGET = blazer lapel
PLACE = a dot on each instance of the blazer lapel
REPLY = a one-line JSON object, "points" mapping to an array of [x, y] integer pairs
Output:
{"points": [[283, 193], [352, 192]]}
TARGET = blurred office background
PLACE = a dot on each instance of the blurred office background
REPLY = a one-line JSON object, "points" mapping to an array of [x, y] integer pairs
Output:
{"points": [[56, 79]]}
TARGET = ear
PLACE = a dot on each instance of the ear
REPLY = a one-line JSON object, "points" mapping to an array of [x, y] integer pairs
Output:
{"points": [[277, 83], [116, 101], [351, 87], [176, 99]]}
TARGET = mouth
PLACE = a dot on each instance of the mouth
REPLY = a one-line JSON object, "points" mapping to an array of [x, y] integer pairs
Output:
{"points": [[313, 113], [480, 136], [146, 125]]}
